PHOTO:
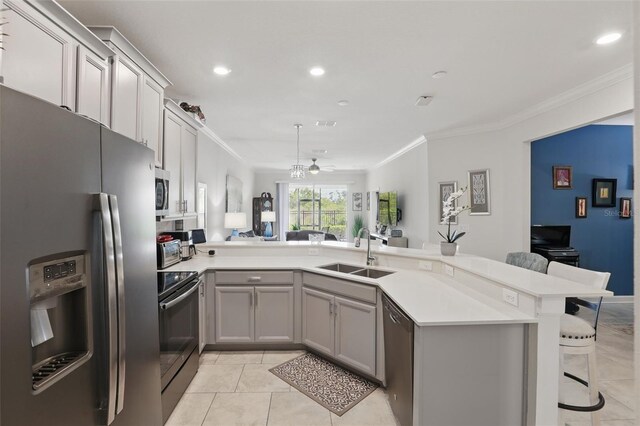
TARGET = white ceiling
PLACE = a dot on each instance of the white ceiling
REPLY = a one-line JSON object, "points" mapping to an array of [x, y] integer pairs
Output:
{"points": [[501, 58]]}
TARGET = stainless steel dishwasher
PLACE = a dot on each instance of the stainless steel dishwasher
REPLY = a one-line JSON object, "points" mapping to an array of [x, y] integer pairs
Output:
{"points": [[398, 360]]}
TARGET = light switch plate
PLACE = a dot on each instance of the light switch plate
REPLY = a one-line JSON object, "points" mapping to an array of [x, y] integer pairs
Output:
{"points": [[425, 265], [510, 296], [448, 269]]}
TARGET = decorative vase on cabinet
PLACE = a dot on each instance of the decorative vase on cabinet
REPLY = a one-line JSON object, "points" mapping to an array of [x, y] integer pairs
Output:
{"points": [[448, 249]]}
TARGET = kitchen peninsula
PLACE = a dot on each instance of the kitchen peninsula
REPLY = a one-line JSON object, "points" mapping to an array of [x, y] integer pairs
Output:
{"points": [[486, 333]]}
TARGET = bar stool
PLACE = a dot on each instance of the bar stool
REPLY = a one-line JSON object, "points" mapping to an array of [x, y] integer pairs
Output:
{"points": [[532, 261], [578, 337]]}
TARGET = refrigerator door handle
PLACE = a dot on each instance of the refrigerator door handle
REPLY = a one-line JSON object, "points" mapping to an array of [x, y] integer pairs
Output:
{"points": [[117, 240], [111, 302]]}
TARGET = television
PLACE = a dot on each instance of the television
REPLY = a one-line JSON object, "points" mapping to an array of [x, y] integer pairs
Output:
{"points": [[550, 235], [388, 208]]}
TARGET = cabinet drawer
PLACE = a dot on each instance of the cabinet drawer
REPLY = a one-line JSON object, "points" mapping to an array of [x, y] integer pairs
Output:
{"points": [[254, 277], [362, 292]]}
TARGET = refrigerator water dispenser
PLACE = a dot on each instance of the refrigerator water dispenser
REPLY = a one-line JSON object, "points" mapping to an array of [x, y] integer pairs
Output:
{"points": [[61, 338]]}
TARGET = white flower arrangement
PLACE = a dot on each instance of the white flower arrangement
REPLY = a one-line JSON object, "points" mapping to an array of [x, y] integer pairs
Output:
{"points": [[449, 212]]}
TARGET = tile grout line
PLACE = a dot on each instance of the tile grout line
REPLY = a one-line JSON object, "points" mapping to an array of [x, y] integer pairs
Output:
{"points": [[239, 377], [269, 410], [215, 395]]}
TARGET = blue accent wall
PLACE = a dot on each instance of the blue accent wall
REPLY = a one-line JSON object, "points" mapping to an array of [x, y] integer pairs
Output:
{"points": [[604, 240]]}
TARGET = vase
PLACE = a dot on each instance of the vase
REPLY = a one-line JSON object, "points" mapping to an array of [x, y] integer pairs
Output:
{"points": [[448, 249]]}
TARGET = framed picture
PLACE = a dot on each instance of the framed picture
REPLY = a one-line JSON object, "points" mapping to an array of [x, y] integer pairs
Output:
{"points": [[479, 192], [562, 177], [445, 189], [581, 207], [368, 200], [357, 202], [604, 193], [625, 208]]}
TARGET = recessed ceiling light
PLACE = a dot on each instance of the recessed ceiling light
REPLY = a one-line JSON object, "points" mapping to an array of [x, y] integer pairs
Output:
{"points": [[608, 38], [343, 102], [221, 70], [439, 74], [316, 71], [326, 123]]}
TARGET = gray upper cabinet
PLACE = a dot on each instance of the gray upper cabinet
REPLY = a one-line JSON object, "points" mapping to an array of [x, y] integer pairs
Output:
{"points": [[317, 321], [234, 314], [274, 314], [137, 92], [356, 334], [41, 57]]}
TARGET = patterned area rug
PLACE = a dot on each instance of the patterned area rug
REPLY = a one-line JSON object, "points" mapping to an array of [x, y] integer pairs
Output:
{"points": [[333, 387]]}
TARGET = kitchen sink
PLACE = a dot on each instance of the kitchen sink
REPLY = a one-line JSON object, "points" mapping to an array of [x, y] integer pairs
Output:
{"points": [[371, 273], [356, 270], [341, 267]]}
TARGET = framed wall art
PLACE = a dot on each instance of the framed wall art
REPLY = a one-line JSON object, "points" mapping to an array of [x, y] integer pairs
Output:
{"points": [[581, 207], [604, 193], [479, 192], [357, 202], [368, 200], [445, 189], [562, 177], [625, 208]]}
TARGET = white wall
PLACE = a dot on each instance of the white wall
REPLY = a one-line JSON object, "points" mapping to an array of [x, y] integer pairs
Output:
{"points": [[506, 153], [408, 176], [265, 181], [214, 163]]}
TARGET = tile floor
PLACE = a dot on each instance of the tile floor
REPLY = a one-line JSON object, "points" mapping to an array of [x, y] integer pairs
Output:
{"points": [[236, 388]]}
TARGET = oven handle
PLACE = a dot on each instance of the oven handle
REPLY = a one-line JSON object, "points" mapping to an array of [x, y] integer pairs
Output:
{"points": [[174, 302]]}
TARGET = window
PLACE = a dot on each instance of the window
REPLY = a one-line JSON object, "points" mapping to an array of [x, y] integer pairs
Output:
{"points": [[319, 208]]}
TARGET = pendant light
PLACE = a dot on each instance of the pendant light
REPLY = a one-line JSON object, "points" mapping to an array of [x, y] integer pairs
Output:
{"points": [[314, 169], [297, 170]]}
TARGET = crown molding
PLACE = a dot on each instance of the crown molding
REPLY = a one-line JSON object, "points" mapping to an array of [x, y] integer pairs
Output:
{"points": [[210, 133], [417, 142], [593, 86]]}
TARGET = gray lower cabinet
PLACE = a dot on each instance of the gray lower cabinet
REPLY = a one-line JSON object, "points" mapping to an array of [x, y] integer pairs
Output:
{"points": [[246, 314], [318, 328], [342, 328], [202, 312]]}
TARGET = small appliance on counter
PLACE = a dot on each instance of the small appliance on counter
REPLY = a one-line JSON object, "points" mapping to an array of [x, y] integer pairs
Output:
{"points": [[168, 251], [187, 249]]}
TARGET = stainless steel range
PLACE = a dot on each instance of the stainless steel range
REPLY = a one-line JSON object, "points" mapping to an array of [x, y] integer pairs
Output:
{"points": [[178, 314]]}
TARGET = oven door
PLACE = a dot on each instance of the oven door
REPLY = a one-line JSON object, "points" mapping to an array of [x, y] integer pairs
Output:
{"points": [[179, 319]]}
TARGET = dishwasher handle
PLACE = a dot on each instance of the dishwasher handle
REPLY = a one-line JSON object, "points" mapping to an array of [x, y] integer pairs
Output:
{"points": [[395, 314]]}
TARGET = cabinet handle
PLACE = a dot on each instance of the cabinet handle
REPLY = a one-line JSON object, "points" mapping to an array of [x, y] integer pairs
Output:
{"points": [[330, 308], [255, 279], [257, 299], [185, 206]]}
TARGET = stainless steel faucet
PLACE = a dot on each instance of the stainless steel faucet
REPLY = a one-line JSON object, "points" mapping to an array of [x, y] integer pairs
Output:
{"points": [[370, 259]]}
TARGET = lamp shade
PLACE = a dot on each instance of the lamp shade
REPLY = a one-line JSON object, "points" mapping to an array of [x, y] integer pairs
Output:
{"points": [[235, 220], [268, 217]]}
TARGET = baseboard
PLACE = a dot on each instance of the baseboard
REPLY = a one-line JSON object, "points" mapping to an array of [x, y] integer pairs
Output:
{"points": [[618, 299]]}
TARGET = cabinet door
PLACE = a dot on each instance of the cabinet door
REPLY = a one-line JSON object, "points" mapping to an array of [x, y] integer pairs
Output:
{"points": [[234, 314], [126, 93], [172, 135], [356, 334], [38, 56], [317, 320], [202, 309], [152, 98], [189, 137], [274, 314], [93, 86]]}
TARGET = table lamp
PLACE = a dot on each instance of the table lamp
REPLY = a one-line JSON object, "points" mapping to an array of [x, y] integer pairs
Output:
{"points": [[268, 217], [235, 221]]}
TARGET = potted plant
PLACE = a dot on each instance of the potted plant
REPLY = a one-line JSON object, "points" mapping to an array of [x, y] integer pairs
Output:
{"points": [[448, 247], [358, 223]]}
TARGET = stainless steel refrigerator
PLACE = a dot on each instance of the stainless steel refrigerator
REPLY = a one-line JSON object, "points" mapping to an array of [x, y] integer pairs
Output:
{"points": [[78, 292]]}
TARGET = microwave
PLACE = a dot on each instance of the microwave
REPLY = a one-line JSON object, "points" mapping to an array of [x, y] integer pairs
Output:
{"points": [[162, 192]]}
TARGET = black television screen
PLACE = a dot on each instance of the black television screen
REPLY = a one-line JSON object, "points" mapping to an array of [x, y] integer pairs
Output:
{"points": [[551, 235], [388, 208]]}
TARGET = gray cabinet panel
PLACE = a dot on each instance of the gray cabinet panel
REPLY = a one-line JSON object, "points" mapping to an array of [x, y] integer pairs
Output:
{"points": [[274, 314], [202, 306], [356, 334], [234, 314], [364, 292], [254, 277], [317, 321]]}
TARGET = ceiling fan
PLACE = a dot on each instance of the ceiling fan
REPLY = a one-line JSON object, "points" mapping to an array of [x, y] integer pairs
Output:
{"points": [[314, 169]]}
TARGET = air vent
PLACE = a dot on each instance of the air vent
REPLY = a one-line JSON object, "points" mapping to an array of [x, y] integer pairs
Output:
{"points": [[424, 100], [319, 151], [326, 123]]}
